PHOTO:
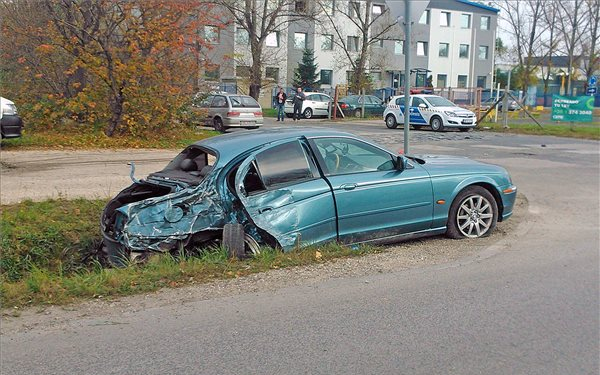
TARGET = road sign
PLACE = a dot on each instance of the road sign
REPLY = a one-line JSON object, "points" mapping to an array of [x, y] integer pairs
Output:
{"points": [[572, 108], [591, 91], [592, 81]]}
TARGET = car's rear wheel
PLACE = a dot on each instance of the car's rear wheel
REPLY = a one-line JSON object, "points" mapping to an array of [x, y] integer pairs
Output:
{"points": [[357, 113], [390, 122], [238, 243], [437, 124], [218, 124], [473, 214]]}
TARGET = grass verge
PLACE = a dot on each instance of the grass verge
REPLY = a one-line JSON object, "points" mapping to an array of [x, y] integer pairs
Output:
{"points": [[78, 138], [577, 131], [45, 248]]}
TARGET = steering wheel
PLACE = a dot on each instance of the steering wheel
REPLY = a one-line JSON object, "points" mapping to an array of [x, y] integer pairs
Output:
{"points": [[332, 160]]}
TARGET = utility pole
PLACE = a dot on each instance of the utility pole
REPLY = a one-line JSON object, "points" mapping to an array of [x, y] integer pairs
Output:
{"points": [[407, 30]]}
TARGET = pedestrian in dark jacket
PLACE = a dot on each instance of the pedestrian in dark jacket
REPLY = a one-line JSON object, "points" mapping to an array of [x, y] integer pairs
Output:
{"points": [[299, 98], [280, 103]]}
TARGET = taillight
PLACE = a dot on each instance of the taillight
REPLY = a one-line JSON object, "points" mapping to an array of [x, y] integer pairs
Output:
{"points": [[233, 114], [344, 105], [258, 114]]}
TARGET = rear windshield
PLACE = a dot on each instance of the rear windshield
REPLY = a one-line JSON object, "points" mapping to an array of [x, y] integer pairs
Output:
{"points": [[243, 102], [437, 101]]}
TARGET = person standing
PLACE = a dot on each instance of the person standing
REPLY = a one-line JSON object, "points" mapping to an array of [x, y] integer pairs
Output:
{"points": [[280, 102], [299, 98]]}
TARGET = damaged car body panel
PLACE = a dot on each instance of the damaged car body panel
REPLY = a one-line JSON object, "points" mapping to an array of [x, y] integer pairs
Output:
{"points": [[293, 187]]}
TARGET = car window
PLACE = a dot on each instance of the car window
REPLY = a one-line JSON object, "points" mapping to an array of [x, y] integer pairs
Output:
{"points": [[344, 156], [283, 165], [206, 102], [324, 98], [314, 97], [416, 101], [375, 100], [438, 101], [400, 101], [219, 102], [243, 101]]}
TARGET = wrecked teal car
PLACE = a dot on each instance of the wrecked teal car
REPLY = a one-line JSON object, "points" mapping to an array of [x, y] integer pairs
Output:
{"points": [[288, 188]]}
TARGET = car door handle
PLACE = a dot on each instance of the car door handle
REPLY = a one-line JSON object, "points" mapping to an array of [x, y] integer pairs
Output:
{"points": [[349, 186], [266, 209]]}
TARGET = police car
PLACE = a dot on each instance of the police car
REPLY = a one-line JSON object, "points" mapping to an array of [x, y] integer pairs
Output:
{"points": [[429, 110]]}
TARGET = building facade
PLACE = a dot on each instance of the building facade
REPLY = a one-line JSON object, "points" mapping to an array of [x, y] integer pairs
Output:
{"points": [[452, 46]]}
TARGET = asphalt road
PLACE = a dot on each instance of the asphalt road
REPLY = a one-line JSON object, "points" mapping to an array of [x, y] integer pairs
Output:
{"points": [[528, 304]]}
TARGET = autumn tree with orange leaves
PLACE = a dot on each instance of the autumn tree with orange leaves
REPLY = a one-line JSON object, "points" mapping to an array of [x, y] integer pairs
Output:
{"points": [[125, 65]]}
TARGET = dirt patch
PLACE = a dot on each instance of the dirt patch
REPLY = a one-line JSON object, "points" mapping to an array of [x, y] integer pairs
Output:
{"points": [[404, 256]]}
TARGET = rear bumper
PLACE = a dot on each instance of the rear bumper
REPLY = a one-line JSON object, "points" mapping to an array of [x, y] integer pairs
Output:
{"points": [[243, 123], [11, 126]]}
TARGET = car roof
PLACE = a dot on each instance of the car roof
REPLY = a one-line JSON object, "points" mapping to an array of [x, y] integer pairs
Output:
{"points": [[314, 92], [228, 146]]}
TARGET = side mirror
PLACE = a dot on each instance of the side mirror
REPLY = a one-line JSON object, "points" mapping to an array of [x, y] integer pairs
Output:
{"points": [[423, 105], [400, 163]]}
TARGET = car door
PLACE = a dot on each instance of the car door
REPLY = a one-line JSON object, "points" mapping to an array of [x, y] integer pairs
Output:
{"points": [[374, 199], [376, 105], [416, 117], [284, 194], [322, 105]]}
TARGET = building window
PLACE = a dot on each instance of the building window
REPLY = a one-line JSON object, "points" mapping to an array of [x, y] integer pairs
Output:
{"points": [[442, 80], [398, 47], [272, 39], [212, 73], [483, 52], [326, 77], [463, 51], [378, 9], [327, 42], [422, 48], [378, 43], [444, 49], [485, 23], [349, 75], [353, 9], [462, 82], [375, 76], [445, 19], [211, 34], [465, 21], [272, 73], [424, 20], [300, 6], [352, 43], [243, 71], [328, 6], [241, 36], [300, 40], [481, 81]]}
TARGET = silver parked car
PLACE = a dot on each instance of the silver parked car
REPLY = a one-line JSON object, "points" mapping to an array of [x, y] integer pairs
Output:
{"points": [[226, 110]]}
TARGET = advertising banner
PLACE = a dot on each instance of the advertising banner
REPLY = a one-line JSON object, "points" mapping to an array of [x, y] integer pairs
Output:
{"points": [[572, 108]]}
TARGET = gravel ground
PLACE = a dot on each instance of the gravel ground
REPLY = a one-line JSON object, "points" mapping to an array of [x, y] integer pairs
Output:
{"points": [[435, 251]]}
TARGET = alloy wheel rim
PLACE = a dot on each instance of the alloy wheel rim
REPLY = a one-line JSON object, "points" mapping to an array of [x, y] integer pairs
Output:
{"points": [[474, 217]]}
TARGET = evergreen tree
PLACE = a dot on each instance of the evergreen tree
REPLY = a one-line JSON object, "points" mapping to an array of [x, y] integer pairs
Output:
{"points": [[305, 75]]}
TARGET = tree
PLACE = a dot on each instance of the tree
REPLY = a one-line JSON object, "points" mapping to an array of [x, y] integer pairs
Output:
{"points": [[523, 20], [550, 44], [127, 64], [262, 19], [592, 59], [500, 48], [305, 75], [355, 28], [570, 24]]}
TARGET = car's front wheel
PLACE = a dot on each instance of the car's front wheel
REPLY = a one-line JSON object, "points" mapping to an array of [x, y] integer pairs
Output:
{"points": [[437, 124], [357, 113], [473, 214], [308, 113], [390, 122]]}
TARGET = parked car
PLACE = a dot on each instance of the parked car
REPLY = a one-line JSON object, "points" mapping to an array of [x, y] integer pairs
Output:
{"points": [[429, 110], [225, 110], [352, 105], [290, 187], [11, 123], [486, 104], [315, 104]]}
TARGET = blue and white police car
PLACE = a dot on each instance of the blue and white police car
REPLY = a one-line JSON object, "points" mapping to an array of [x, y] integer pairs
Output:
{"points": [[429, 110]]}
